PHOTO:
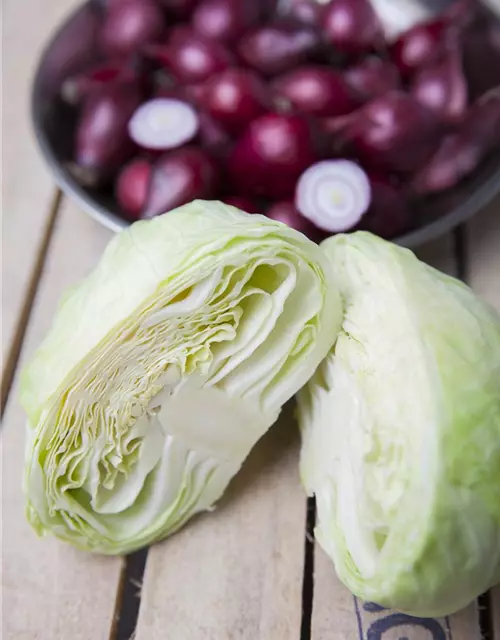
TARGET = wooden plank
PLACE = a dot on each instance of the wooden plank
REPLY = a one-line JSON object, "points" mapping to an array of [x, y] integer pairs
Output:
{"points": [[28, 192], [336, 614], [50, 591], [483, 243], [237, 572]]}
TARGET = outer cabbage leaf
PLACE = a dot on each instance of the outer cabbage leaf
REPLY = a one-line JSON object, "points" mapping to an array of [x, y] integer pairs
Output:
{"points": [[164, 367], [401, 433]]}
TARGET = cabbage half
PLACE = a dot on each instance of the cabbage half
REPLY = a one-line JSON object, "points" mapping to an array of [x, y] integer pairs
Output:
{"points": [[164, 367], [401, 433]]}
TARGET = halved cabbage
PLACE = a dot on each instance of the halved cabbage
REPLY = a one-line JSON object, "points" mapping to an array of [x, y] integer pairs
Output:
{"points": [[401, 433], [164, 367]]}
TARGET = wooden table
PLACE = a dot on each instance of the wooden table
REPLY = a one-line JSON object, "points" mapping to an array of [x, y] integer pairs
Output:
{"points": [[250, 569]]}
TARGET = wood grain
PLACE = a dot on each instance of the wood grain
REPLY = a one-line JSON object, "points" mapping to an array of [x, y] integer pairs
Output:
{"points": [[483, 236], [28, 192], [235, 573], [336, 614], [50, 591]]}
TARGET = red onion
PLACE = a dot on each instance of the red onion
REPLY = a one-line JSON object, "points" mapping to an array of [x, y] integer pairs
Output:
{"points": [[214, 138], [317, 91], [483, 119], [131, 188], [481, 56], [102, 142], [422, 44], [304, 11], [129, 25], [234, 98], [442, 87], [333, 194], [75, 88], [163, 123], [225, 20], [271, 155], [240, 202], [456, 157], [275, 48], [191, 58], [352, 26], [389, 214], [286, 213], [460, 153], [392, 133], [180, 177], [372, 78]]}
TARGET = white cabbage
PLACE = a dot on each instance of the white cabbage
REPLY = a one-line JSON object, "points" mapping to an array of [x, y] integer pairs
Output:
{"points": [[164, 367], [401, 433]]}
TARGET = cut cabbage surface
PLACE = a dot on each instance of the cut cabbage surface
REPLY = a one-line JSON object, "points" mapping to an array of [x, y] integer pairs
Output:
{"points": [[164, 367]]}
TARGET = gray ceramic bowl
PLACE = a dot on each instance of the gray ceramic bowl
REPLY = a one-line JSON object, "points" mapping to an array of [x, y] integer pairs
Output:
{"points": [[73, 47]]}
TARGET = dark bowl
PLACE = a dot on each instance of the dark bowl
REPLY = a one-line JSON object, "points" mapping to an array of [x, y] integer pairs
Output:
{"points": [[73, 48]]}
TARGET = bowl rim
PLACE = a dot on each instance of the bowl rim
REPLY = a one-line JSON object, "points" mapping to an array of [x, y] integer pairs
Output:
{"points": [[458, 215]]}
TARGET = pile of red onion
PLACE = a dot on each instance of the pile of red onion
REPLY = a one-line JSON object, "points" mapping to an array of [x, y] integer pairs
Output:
{"points": [[303, 112]]}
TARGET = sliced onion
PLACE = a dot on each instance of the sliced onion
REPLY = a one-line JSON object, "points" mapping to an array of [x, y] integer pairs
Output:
{"points": [[333, 194], [163, 123]]}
